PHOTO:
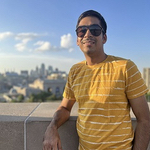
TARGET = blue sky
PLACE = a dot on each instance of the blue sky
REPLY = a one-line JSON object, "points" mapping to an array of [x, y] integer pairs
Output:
{"points": [[43, 31]]}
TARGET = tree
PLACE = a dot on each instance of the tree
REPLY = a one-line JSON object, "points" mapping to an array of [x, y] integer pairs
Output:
{"points": [[43, 97], [148, 96], [20, 98]]}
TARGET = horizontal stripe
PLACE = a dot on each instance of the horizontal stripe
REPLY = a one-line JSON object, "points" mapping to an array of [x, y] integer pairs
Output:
{"points": [[136, 88], [129, 139], [99, 115], [107, 123], [99, 95], [99, 88], [93, 128], [91, 75], [122, 147], [133, 82], [140, 93], [107, 102], [96, 115], [130, 68], [99, 81], [127, 128], [83, 108], [133, 75], [97, 136], [121, 135], [102, 130]]}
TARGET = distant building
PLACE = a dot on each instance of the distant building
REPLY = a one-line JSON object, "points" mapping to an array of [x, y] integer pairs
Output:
{"points": [[24, 73], [11, 74], [34, 73], [146, 76], [54, 86], [50, 69], [42, 70], [12, 94], [25, 91], [4, 86]]}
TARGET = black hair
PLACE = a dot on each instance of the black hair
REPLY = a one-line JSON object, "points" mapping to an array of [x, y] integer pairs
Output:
{"points": [[94, 14]]}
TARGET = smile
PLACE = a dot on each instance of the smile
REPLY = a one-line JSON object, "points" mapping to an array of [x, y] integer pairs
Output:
{"points": [[88, 41]]}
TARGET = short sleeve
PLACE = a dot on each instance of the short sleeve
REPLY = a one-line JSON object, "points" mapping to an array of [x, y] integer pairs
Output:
{"points": [[135, 85], [68, 92]]}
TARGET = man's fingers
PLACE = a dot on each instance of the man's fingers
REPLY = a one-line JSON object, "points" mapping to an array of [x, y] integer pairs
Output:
{"points": [[48, 146], [59, 145]]}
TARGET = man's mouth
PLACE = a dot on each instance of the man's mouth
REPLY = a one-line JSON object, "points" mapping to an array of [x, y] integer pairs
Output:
{"points": [[88, 41]]}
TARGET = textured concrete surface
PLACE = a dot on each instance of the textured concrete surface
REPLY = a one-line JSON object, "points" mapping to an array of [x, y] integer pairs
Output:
{"points": [[22, 126], [11, 136], [40, 119], [67, 132], [12, 117], [16, 111]]}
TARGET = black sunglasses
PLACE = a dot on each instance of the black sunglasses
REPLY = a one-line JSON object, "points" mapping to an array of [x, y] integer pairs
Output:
{"points": [[95, 30]]}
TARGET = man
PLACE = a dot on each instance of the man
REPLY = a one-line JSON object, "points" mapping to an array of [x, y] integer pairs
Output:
{"points": [[105, 88]]}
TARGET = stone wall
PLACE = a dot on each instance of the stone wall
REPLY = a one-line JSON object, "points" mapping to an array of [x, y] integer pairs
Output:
{"points": [[22, 126]]}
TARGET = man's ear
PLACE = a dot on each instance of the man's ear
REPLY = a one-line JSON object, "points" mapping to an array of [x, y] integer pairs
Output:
{"points": [[104, 38]]}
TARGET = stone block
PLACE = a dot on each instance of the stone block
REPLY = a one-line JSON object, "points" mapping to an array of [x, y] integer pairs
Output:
{"points": [[12, 118]]}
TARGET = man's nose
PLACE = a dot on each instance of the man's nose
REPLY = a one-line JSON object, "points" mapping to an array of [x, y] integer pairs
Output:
{"points": [[88, 33]]}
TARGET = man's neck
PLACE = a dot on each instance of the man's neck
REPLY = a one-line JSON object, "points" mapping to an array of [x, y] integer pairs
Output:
{"points": [[95, 60]]}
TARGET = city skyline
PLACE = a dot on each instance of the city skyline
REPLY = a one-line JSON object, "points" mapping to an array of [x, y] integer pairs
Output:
{"points": [[46, 34], [37, 67]]}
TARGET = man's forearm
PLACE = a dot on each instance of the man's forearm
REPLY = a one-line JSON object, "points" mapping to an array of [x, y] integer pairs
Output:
{"points": [[60, 117], [142, 135], [51, 138]]}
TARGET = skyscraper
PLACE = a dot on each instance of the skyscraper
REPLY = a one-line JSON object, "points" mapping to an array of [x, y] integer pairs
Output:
{"points": [[146, 76], [42, 69]]}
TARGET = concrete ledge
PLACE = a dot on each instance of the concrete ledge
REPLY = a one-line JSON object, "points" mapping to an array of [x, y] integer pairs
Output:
{"points": [[22, 126]]}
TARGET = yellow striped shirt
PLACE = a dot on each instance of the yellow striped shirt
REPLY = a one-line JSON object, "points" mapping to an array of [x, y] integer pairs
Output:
{"points": [[102, 92]]}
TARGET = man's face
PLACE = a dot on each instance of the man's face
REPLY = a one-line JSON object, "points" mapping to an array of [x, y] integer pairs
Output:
{"points": [[89, 43]]}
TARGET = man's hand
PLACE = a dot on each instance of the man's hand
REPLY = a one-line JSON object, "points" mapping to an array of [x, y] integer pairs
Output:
{"points": [[51, 139]]}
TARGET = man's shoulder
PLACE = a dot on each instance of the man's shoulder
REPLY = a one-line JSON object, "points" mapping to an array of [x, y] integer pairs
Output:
{"points": [[78, 65], [117, 59], [120, 61]]}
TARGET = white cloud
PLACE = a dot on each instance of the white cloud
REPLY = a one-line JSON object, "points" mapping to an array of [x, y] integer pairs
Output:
{"points": [[4, 35], [21, 47], [26, 37], [43, 46], [67, 42]]}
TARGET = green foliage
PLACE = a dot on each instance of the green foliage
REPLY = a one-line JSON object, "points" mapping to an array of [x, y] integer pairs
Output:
{"points": [[43, 97], [53, 97], [20, 98], [148, 97]]}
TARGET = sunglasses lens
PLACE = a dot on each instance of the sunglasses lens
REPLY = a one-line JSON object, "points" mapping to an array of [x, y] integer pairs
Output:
{"points": [[95, 32], [81, 31], [94, 29]]}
